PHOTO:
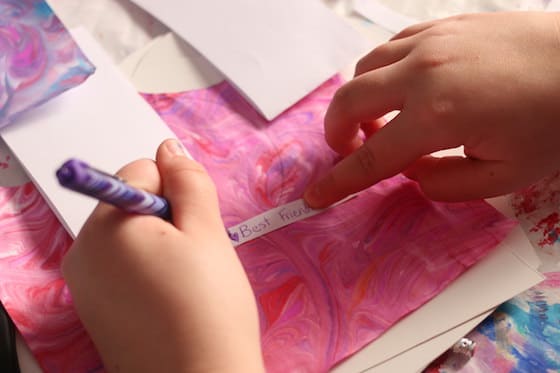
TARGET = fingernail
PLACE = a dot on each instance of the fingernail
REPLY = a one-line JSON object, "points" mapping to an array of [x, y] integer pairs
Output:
{"points": [[176, 148]]}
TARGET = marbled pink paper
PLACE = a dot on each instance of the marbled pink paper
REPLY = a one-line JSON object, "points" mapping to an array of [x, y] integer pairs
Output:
{"points": [[325, 286], [330, 284], [32, 244], [38, 57]]}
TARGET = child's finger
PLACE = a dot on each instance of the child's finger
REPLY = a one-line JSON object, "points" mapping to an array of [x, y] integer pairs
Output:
{"points": [[460, 179], [187, 186], [389, 151], [363, 99], [142, 174]]}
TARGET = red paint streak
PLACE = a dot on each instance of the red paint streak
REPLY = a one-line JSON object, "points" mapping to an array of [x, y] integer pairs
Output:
{"points": [[550, 227], [528, 203], [363, 284], [552, 281], [267, 161], [273, 302], [324, 255], [160, 102]]}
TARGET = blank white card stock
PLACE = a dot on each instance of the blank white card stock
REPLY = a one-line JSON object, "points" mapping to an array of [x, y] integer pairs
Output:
{"points": [[274, 52], [553, 6], [104, 122], [383, 15]]}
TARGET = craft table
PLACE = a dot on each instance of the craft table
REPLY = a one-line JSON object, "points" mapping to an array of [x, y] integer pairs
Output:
{"points": [[521, 335]]}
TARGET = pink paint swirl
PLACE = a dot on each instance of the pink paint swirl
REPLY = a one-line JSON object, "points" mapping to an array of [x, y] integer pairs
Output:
{"points": [[325, 286], [538, 208], [38, 57], [32, 244], [328, 285]]}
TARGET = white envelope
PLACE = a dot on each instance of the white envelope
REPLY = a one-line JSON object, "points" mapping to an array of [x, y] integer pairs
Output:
{"points": [[274, 52]]}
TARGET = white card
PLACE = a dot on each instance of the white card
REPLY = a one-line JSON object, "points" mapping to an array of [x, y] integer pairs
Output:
{"points": [[383, 15], [396, 15], [274, 52], [553, 6], [104, 122]]}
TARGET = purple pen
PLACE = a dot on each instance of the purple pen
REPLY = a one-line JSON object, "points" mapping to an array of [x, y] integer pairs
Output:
{"points": [[80, 177]]}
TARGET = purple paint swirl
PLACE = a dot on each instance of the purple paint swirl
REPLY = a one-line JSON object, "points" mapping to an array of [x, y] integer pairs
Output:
{"points": [[325, 286], [38, 57], [328, 285]]}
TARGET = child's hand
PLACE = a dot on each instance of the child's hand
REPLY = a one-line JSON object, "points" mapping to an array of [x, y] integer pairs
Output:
{"points": [[490, 82], [162, 297]]}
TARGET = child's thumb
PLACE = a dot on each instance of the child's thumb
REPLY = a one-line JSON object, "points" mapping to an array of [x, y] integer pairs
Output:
{"points": [[186, 185]]}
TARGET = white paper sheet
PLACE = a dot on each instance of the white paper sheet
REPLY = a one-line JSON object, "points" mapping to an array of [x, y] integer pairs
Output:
{"points": [[383, 15], [395, 15], [553, 6], [104, 122], [169, 64], [274, 52], [419, 357]]}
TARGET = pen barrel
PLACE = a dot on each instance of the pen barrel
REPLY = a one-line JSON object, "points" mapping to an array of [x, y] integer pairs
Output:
{"points": [[78, 176]]}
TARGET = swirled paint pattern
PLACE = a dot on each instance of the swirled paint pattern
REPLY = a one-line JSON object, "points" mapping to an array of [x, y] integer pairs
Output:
{"points": [[38, 57], [325, 286], [330, 284], [32, 244]]}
